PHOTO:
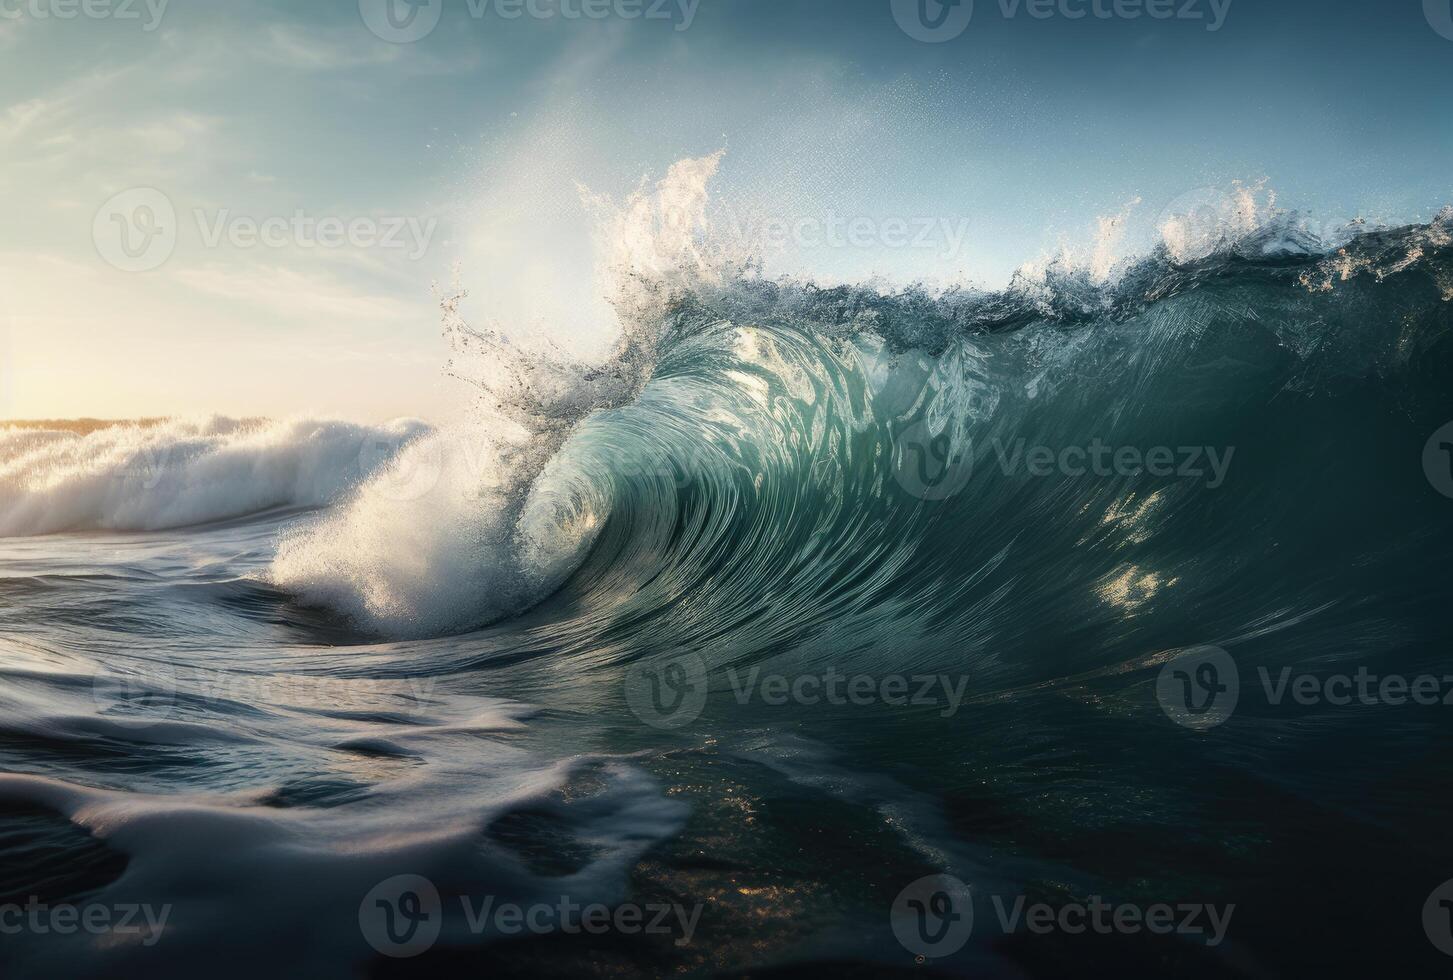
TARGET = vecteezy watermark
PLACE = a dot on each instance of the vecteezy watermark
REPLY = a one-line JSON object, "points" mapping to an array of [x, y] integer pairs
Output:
{"points": [[148, 691], [677, 466], [937, 21], [147, 466], [406, 21], [766, 232], [148, 12], [403, 917], [1438, 918], [934, 917], [402, 465], [667, 692], [933, 21], [405, 463], [303, 230], [859, 690], [1361, 687], [671, 692], [1199, 688], [1204, 220], [931, 467], [401, 21], [152, 693], [1440, 16], [137, 230], [1438, 460], [1194, 224], [37, 918], [1198, 921], [771, 234]]}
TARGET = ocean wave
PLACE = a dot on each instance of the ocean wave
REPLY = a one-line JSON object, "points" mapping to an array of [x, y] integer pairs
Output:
{"points": [[177, 473], [1045, 492], [779, 438]]}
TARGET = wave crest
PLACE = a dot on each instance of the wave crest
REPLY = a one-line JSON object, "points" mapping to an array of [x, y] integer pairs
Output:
{"points": [[177, 473], [740, 417]]}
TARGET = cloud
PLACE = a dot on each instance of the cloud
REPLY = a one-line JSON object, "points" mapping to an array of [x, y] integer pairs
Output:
{"points": [[295, 294], [319, 50], [24, 117]]}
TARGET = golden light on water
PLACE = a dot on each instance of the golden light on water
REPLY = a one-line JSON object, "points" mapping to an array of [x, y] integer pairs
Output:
{"points": [[1133, 588]]}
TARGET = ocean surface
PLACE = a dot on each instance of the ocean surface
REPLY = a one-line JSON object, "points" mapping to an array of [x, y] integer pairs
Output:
{"points": [[804, 595]]}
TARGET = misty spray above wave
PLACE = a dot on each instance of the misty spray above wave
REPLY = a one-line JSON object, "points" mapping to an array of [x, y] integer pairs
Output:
{"points": [[477, 544], [729, 393], [780, 480], [752, 392]]}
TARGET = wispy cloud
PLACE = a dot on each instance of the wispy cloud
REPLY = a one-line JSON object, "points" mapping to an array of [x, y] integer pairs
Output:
{"points": [[319, 50], [294, 294], [28, 116]]}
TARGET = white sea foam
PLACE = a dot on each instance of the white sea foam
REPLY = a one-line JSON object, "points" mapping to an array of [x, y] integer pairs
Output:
{"points": [[430, 545], [463, 529], [138, 477]]}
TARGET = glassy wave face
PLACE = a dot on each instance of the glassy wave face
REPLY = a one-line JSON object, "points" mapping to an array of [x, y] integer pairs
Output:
{"points": [[802, 596]]}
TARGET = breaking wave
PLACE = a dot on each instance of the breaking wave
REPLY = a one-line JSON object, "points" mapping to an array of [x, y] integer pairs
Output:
{"points": [[775, 438], [177, 473]]}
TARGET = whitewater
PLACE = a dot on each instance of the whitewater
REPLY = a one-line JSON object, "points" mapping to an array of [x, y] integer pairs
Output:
{"points": [[256, 669]]}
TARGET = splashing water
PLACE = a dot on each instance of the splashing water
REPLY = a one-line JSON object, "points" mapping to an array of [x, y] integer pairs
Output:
{"points": [[1039, 493]]}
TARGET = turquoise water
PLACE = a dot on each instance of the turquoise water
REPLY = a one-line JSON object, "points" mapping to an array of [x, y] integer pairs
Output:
{"points": [[817, 593]]}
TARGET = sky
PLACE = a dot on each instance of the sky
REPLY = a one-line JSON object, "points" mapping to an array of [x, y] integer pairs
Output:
{"points": [[242, 206]]}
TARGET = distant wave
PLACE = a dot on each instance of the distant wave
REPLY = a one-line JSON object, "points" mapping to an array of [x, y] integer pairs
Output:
{"points": [[142, 477]]}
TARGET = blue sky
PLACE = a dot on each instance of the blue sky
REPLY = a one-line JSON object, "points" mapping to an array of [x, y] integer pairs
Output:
{"points": [[1018, 134]]}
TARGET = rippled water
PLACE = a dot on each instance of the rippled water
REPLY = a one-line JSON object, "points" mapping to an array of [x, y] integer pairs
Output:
{"points": [[807, 595]]}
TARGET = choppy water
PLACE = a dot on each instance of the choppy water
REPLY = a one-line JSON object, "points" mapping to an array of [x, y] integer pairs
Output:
{"points": [[807, 594]]}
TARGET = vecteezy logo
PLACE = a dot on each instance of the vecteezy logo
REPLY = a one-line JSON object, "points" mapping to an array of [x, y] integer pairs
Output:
{"points": [[933, 21], [401, 466], [1440, 16], [1193, 224], [136, 231], [667, 693], [1438, 460], [401, 21], [144, 696], [934, 916], [1438, 918], [1199, 688], [402, 917], [929, 466]]}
